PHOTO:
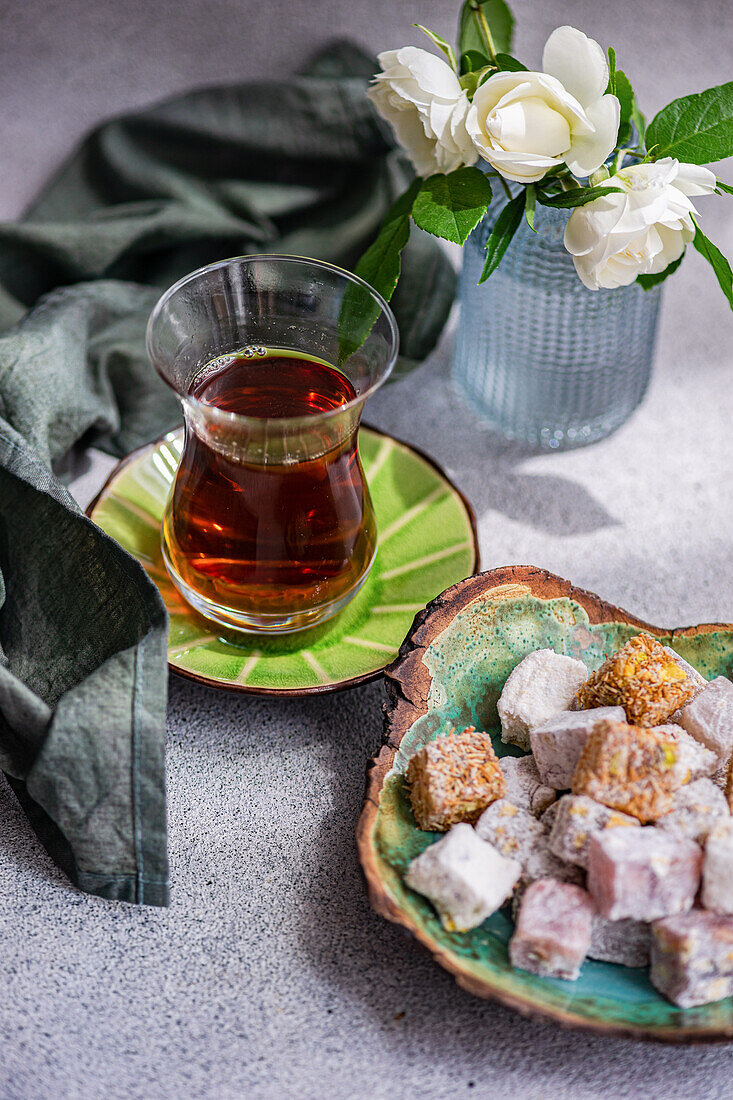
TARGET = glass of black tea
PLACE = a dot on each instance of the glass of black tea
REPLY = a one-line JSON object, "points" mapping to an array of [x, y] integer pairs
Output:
{"points": [[269, 526]]}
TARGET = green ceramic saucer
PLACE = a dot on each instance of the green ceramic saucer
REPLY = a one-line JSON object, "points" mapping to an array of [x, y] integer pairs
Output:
{"points": [[451, 670], [427, 540]]}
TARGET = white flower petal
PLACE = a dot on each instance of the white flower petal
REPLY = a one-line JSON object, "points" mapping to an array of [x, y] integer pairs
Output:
{"points": [[431, 73], [588, 152], [693, 179], [578, 62]]}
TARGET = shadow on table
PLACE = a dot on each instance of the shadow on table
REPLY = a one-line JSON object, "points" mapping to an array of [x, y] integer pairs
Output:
{"points": [[424, 409]]}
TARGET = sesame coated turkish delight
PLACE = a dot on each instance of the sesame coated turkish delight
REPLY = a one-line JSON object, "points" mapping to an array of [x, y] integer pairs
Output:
{"points": [[553, 930], [464, 877], [513, 832], [542, 684], [558, 743], [524, 788], [643, 678], [642, 874], [453, 779], [578, 819]]}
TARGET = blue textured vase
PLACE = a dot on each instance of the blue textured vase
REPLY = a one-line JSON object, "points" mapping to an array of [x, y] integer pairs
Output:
{"points": [[540, 357]]}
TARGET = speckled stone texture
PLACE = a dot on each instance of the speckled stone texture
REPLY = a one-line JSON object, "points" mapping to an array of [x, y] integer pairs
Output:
{"points": [[269, 976]]}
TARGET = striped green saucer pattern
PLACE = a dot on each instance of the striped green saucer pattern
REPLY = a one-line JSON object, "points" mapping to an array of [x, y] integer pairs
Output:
{"points": [[427, 542]]}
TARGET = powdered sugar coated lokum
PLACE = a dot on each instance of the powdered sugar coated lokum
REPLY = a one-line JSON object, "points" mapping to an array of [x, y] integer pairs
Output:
{"points": [[558, 742], [542, 684], [643, 874], [553, 930]]}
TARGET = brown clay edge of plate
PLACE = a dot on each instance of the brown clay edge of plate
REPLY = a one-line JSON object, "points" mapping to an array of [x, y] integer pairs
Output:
{"points": [[408, 683], [323, 689]]}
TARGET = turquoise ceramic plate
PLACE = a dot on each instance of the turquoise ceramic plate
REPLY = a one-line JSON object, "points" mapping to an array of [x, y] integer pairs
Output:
{"points": [[427, 540], [451, 669]]}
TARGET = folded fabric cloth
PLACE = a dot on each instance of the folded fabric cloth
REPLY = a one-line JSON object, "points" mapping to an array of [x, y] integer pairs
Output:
{"points": [[299, 166]]}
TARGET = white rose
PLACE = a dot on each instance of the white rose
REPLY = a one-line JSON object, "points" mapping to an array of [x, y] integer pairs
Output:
{"points": [[641, 230], [523, 123], [419, 95]]}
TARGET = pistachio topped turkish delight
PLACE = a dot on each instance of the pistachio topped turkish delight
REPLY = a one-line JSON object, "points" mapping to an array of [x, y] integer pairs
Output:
{"points": [[629, 769], [642, 677], [454, 779]]}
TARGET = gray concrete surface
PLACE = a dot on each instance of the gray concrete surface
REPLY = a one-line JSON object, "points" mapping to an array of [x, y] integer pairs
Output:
{"points": [[269, 976]]}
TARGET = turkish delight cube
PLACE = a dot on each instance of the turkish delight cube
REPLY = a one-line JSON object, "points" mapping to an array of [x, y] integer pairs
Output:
{"points": [[524, 788], [558, 742], [709, 717], [694, 760], [538, 687], [578, 819], [629, 769], [453, 779], [642, 874], [512, 831], [464, 877], [553, 930], [692, 958], [642, 678], [717, 871], [697, 808], [626, 942]]}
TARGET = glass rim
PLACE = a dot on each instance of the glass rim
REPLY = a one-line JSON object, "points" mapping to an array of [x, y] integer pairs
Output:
{"points": [[221, 415]]}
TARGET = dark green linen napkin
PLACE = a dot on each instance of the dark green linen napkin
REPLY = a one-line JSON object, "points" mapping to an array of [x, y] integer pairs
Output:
{"points": [[300, 166]]}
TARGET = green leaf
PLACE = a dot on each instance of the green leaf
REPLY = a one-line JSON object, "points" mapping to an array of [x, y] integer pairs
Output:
{"points": [[648, 281], [450, 206], [440, 43], [499, 18], [625, 95], [509, 64], [725, 188], [579, 196], [506, 226], [529, 205], [697, 128], [611, 89], [717, 261], [472, 61], [380, 267]]}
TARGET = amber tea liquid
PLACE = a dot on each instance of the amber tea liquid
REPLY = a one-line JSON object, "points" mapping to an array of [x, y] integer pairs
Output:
{"points": [[291, 529]]}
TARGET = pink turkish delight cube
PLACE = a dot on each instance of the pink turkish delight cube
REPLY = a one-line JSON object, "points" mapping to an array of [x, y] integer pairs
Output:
{"points": [[553, 930], [558, 742], [643, 874], [692, 958], [709, 717], [626, 942]]}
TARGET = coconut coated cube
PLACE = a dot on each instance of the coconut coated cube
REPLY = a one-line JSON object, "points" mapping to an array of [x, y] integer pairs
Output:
{"points": [[578, 819], [464, 877], [697, 808], [643, 678], [626, 942], [542, 684], [513, 832], [717, 872], [553, 930], [453, 779], [558, 743], [629, 769], [642, 874], [709, 717], [692, 958], [524, 788]]}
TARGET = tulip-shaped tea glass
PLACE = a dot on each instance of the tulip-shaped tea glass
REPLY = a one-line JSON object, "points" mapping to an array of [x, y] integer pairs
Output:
{"points": [[269, 526]]}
